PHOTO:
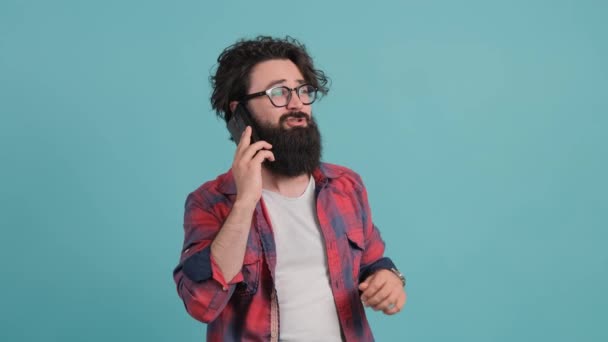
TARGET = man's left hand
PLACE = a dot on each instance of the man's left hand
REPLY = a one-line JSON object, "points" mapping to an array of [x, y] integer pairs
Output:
{"points": [[384, 291]]}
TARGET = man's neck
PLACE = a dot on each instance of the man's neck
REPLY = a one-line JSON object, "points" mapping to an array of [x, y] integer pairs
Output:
{"points": [[286, 186]]}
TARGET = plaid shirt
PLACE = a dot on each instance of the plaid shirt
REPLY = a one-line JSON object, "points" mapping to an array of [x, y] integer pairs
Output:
{"points": [[245, 308]]}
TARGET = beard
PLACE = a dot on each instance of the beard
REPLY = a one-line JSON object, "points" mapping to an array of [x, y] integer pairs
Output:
{"points": [[297, 150]]}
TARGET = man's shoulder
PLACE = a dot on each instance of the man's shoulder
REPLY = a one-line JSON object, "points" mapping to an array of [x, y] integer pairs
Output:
{"points": [[342, 174], [214, 187]]}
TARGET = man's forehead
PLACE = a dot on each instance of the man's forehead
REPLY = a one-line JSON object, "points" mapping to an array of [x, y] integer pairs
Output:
{"points": [[275, 71]]}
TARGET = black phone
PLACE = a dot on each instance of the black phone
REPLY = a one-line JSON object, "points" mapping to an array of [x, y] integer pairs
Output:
{"points": [[241, 118]]}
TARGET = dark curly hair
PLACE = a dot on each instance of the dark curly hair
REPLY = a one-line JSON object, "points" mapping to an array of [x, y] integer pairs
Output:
{"points": [[231, 79]]}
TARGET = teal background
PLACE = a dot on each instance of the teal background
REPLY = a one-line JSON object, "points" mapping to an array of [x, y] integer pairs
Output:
{"points": [[479, 128]]}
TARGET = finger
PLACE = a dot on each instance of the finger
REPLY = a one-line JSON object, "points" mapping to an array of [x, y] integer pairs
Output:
{"points": [[263, 155], [251, 150], [363, 286], [391, 309], [244, 142], [381, 300], [399, 303], [374, 286]]}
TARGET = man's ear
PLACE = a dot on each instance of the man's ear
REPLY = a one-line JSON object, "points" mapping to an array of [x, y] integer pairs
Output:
{"points": [[233, 105]]}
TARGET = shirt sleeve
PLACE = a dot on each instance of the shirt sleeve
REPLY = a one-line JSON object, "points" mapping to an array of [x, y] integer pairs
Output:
{"points": [[200, 283], [373, 258]]}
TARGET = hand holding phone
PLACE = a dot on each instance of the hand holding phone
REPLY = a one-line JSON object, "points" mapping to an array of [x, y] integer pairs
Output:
{"points": [[241, 118], [248, 158]]}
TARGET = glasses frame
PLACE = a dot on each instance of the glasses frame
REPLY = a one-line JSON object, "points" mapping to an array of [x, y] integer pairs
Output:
{"points": [[291, 90]]}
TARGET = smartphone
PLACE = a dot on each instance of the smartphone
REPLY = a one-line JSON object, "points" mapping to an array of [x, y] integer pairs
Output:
{"points": [[241, 118]]}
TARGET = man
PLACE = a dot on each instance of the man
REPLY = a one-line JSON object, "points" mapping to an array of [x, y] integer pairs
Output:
{"points": [[282, 246]]}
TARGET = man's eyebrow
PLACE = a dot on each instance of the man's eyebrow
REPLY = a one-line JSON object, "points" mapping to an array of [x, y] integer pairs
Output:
{"points": [[275, 82]]}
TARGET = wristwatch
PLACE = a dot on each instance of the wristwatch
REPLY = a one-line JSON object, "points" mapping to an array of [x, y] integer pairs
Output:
{"points": [[398, 274]]}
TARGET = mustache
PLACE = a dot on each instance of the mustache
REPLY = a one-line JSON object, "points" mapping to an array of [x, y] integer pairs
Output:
{"points": [[295, 115]]}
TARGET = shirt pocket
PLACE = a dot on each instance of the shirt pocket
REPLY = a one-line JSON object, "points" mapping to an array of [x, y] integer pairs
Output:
{"points": [[356, 243], [251, 275]]}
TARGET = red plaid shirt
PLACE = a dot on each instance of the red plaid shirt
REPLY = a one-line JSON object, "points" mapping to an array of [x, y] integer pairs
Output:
{"points": [[245, 308]]}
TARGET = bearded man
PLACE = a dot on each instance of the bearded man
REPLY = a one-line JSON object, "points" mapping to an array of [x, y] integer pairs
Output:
{"points": [[282, 246]]}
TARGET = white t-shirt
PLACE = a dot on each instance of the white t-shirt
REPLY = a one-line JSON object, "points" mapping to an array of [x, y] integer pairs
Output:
{"points": [[306, 305]]}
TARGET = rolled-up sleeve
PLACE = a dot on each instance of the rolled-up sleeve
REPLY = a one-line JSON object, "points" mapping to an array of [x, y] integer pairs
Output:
{"points": [[373, 258], [200, 283]]}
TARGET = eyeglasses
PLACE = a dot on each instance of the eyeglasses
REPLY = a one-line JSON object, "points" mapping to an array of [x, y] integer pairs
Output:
{"points": [[280, 96]]}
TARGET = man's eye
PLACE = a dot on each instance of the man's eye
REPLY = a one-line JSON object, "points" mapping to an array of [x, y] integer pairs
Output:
{"points": [[277, 92], [306, 90]]}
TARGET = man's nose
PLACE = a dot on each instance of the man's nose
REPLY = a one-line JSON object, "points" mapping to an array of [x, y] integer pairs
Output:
{"points": [[294, 102]]}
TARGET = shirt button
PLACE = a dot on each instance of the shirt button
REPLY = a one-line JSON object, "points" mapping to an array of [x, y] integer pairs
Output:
{"points": [[225, 288]]}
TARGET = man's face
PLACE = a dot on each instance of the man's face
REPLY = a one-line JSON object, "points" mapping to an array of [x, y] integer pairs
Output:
{"points": [[293, 134], [272, 73]]}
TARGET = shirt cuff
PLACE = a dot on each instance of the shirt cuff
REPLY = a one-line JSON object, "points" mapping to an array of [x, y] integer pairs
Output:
{"points": [[381, 264], [200, 266]]}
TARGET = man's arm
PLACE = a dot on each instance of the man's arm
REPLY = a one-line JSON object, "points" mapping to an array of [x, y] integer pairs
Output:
{"points": [[212, 257], [381, 288], [200, 282]]}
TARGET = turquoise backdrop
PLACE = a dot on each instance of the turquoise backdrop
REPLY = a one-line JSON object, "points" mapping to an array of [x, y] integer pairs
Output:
{"points": [[479, 128]]}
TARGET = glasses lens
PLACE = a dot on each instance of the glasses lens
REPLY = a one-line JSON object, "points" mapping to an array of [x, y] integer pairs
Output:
{"points": [[307, 93], [279, 96]]}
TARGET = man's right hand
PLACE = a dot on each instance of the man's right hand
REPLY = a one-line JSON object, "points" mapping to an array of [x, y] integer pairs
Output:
{"points": [[228, 247], [247, 168]]}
